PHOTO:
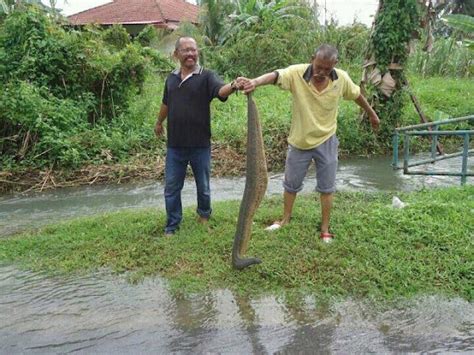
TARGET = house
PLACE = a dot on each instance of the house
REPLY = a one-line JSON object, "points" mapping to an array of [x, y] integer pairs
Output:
{"points": [[136, 14]]}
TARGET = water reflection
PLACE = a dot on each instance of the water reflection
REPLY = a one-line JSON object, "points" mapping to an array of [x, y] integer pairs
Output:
{"points": [[103, 313]]}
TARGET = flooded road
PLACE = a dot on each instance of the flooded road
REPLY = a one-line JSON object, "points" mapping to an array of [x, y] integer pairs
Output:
{"points": [[20, 212], [103, 313]]}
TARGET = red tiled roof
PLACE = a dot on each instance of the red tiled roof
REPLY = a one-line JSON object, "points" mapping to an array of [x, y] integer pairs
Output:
{"points": [[159, 12]]}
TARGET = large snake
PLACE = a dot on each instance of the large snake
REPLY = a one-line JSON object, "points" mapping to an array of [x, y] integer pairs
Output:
{"points": [[255, 186]]}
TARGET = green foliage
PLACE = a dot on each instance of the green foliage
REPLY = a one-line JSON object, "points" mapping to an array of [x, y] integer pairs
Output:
{"points": [[59, 83], [259, 14], [147, 36], [213, 17], [379, 253], [462, 23], [263, 36], [116, 36], [465, 24], [395, 25], [263, 42], [351, 41], [8, 6], [268, 53], [37, 124], [397, 22], [440, 96], [34, 49], [447, 58], [465, 7]]}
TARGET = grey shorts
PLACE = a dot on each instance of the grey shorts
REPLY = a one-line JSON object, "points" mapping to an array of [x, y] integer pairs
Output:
{"points": [[298, 161]]}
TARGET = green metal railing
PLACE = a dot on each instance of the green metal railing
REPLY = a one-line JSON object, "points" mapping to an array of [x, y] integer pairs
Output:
{"points": [[432, 129]]}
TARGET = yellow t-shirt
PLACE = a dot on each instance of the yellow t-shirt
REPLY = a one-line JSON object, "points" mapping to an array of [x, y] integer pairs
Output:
{"points": [[314, 114]]}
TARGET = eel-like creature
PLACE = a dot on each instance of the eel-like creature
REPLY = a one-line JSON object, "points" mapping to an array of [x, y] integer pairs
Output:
{"points": [[255, 186]]}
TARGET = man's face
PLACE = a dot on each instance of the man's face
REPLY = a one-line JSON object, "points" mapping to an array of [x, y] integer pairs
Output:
{"points": [[187, 53], [322, 68]]}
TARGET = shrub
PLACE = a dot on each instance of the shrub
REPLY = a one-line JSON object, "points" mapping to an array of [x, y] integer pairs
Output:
{"points": [[58, 84], [38, 128]]}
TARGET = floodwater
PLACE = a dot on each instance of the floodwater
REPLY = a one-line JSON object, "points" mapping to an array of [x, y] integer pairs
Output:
{"points": [[103, 313], [20, 212]]}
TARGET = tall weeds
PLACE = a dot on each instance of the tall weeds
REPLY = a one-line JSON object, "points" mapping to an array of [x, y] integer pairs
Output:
{"points": [[448, 58]]}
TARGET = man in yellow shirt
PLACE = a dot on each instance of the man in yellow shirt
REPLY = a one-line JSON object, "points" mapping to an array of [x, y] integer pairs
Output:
{"points": [[317, 89]]}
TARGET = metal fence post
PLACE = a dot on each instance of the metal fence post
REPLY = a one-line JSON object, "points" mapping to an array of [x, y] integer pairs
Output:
{"points": [[464, 158], [434, 142], [395, 150], [406, 152]]}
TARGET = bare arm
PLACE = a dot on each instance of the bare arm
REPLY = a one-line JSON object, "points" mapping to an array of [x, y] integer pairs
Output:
{"points": [[250, 85], [161, 117], [228, 89], [374, 119]]}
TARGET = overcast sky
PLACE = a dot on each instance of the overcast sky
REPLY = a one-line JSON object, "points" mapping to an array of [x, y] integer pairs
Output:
{"points": [[344, 10]]}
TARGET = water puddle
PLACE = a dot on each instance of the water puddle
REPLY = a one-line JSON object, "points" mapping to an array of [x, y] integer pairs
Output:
{"points": [[103, 313]]}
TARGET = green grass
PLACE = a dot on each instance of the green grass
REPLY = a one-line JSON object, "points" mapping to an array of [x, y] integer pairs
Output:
{"points": [[132, 136], [379, 253], [439, 98]]}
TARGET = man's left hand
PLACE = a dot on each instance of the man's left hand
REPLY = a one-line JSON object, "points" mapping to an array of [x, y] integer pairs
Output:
{"points": [[374, 121]]}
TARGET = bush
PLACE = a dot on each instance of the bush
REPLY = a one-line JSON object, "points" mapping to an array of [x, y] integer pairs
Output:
{"points": [[116, 36], [147, 36], [35, 124], [59, 84]]}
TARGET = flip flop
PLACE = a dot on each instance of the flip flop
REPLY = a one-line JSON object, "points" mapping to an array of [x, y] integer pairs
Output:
{"points": [[326, 237]]}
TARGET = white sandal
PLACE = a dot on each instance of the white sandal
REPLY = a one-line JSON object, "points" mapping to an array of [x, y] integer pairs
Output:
{"points": [[273, 227]]}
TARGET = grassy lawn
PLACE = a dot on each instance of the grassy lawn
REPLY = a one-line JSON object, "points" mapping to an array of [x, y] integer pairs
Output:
{"points": [[379, 252]]}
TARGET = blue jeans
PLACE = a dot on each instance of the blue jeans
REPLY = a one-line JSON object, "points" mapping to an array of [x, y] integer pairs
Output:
{"points": [[177, 160]]}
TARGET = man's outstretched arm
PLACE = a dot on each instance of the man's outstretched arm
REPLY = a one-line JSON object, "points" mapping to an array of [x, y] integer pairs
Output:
{"points": [[249, 85], [374, 119]]}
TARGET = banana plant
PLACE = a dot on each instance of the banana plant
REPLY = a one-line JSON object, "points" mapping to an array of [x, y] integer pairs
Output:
{"points": [[446, 7], [214, 14], [251, 12], [462, 23]]}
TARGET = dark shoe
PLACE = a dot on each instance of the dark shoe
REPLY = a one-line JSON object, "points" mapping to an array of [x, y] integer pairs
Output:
{"points": [[169, 233]]}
